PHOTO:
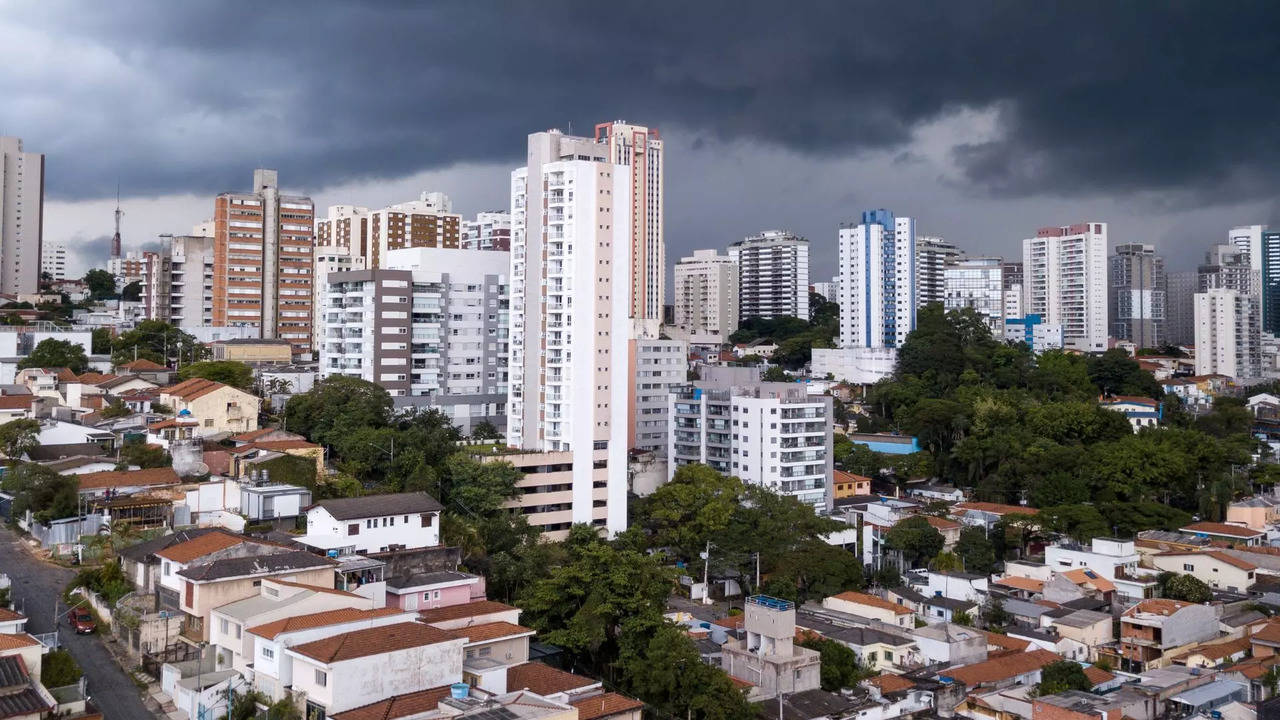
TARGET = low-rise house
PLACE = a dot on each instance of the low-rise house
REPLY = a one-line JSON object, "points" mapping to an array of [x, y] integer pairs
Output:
{"points": [[1141, 412], [1234, 534], [1154, 630], [1212, 567], [16, 407], [253, 350], [985, 514], [1266, 640], [1028, 613], [491, 649], [551, 683], [352, 669], [247, 457], [1214, 655], [879, 650], [1071, 585], [892, 696], [847, 484], [433, 589], [21, 696], [870, 606], [951, 644], [373, 523], [768, 658], [127, 482], [219, 407], [147, 370], [932, 491], [1022, 588], [1259, 512], [454, 617], [1089, 628], [939, 609], [83, 464], [141, 564], [955, 585], [608, 706], [12, 622], [948, 528], [1003, 671]]}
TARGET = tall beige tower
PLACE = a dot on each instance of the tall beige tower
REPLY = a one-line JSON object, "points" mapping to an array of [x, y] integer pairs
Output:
{"points": [[639, 149], [21, 217]]}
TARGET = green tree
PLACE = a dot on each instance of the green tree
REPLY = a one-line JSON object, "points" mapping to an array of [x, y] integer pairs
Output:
{"points": [[815, 571], [132, 292], [137, 452], [1079, 522], [19, 437], [485, 430], [993, 613], [1061, 676], [840, 665], [977, 552], [157, 341], [51, 353], [48, 495], [915, 538], [115, 410], [775, 373], [101, 284], [696, 505], [295, 470], [101, 341], [946, 562], [336, 406], [59, 669], [660, 664], [1187, 588], [1115, 373], [962, 617], [229, 372]]}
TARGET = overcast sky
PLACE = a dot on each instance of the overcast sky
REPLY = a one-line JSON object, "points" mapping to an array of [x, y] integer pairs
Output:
{"points": [[982, 120]]}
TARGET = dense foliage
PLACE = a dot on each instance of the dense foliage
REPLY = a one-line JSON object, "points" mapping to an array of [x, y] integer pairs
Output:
{"points": [[159, 342], [229, 372], [796, 338], [48, 495], [1061, 676], [840, 665], [51, 353], [18, 437], [1015, 427]]}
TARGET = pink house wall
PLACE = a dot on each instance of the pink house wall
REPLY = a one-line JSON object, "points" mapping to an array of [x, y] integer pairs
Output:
{"points": [[423, 600]]}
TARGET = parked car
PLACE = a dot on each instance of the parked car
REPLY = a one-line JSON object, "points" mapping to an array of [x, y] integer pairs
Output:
{"points": [[81, 621]]}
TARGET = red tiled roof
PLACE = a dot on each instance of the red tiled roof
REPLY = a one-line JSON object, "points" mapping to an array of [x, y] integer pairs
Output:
{"points": [[485, 632], [1217, 555], [314, 588], [93, 378], [1002, 668], [195, 387], [185, 552], [1217, 651], [463, 610], [398, 706], [142, 364], [1098, 676], [1081, 576], [1157, 606], [1022, 583], [7, 615], [996, 508], [1268, 633], [320, 619], [373, 641], [890, 683], [15, 641], [128, 478], [1213, 528], [605, 705], [872, 601], [544, 679], [16, 402], [1004, 642], [1132, 399], [941, 523], [848, 477]]}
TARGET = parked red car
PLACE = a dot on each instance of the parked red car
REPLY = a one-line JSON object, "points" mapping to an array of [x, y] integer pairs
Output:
{"points": [[81, 621]]}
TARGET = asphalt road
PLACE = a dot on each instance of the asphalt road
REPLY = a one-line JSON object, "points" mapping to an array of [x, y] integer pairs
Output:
{"points": [[36, 586]]}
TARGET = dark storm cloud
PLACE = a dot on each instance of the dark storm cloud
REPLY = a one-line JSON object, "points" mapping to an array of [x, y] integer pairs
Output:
{"points": [[1091, 97]]}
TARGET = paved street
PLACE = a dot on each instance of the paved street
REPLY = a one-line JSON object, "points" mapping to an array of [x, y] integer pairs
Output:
{"points": [[35, 587]]}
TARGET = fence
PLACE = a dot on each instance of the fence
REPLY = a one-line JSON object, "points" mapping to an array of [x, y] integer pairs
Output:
{"points": [[152, 662], [63, 532], [96, 602]]}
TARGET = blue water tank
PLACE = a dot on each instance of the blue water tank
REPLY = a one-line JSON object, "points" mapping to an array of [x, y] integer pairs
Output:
{"points": [[459, 691]]}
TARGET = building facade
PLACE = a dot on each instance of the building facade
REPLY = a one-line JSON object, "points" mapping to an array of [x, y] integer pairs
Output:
{"points": [[1065, 282], [432, 329], [178, 281], [639, 149], [1227, 267], [1180, 289], [933, 256], [53, 261], [1269, 281], [570, 274], [1228, 334], [706, 296], [660, 365], [977, 283], [21, 217], [770, 434], [877, 281], [773, 275], [1137, 302], [262, 262], [490, 230], [329, 259]]}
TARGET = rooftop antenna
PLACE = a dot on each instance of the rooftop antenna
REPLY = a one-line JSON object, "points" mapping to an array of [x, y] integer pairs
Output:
{"points": [[115, 239]]}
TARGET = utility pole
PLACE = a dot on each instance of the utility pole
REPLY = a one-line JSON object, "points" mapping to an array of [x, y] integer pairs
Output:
{"points": [[706, 576]]}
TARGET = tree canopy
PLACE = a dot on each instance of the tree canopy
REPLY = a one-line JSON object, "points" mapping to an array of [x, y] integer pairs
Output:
{"points": [[157, 341], [1061, 676], [48, 495], [915, 538], [229, 372], [18, 437], [52, 353], [101, 284]]}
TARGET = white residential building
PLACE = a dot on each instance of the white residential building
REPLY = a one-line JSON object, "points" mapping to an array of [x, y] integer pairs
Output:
{"points": [[933, 256], [1065, 282], [773, 275], [370, 235], [571, 266], [373, 523], [179, 281], [706, 296], [1248, 239], [638, 149], [660, 366], [769, 434], [489, 231], [978, 283], [21, 217], [431, 327], [829, 290], [1228, 334], [330, 259], [53, 260], [877, 281]]}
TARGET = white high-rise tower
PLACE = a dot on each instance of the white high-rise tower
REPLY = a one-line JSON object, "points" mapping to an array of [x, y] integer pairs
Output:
{"points": [[1065, 282], [877, 281], [21, 217]]}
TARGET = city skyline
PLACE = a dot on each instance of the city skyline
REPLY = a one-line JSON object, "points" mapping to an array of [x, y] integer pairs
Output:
{"points": [[976, 159]]}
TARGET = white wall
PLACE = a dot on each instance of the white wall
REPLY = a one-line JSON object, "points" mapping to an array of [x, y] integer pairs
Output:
{"points": [[353, 683]]}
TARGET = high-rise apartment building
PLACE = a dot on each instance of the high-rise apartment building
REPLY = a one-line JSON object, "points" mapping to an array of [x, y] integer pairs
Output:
{"points": [[185, 274], [1228, 333], [877, 281], [21, 217], [1180, 289], [773, 275], [1137, 302], [1065, 282], [1012, 275], [53, 261], [1248, 240], [639, 149], [977, 283], [346, 227], [571, 264], [262, 262], [1228, 267], [830, 291], [770, 434], [128, 268], [490, 230], [330, 259], [933, 256], [431, 328], [370, 234], [1269, 281], [706, 296], [658, 366]]}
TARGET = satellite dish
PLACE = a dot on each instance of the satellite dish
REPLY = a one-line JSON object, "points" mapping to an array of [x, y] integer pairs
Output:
{"points": [[201, 469]]}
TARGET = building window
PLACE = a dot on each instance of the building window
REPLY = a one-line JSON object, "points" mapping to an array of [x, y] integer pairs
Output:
{"points": [[166, 568], [427, 519], [353, 529], [1188, 567], [268, 653], [322, 678]]}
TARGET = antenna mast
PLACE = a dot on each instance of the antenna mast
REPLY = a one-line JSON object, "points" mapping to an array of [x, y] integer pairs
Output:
{"points": [[115, 239]]}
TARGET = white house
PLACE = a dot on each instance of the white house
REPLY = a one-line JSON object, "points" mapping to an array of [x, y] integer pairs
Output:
{"points": [[1214, 568], [373, 523], [1139, 411], [956, 586], [870, 606]]}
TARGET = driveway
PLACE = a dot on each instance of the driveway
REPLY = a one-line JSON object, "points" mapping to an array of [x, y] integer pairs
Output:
{"points": [[36, 586]]}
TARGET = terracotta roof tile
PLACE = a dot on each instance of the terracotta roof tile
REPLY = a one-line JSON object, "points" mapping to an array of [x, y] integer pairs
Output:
{"points": [[1022, 583], [1268, 633], [1002, 668], [1004, 642], [484, 632], [847, 477], [1219, 556], [941, 523], [995, 508], [316, 588], [314, 620], [544, 679], [16, 402], [195, 387], [1157, 606], [1098, 676], [1213, 528], [373, 641], [128, 478], [605, 705], [1085, 576], [1217, 651], [463, 610], [398, 706], [142, 364], [16, 640], [890, 683], [872, 601], [185, 552]]}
